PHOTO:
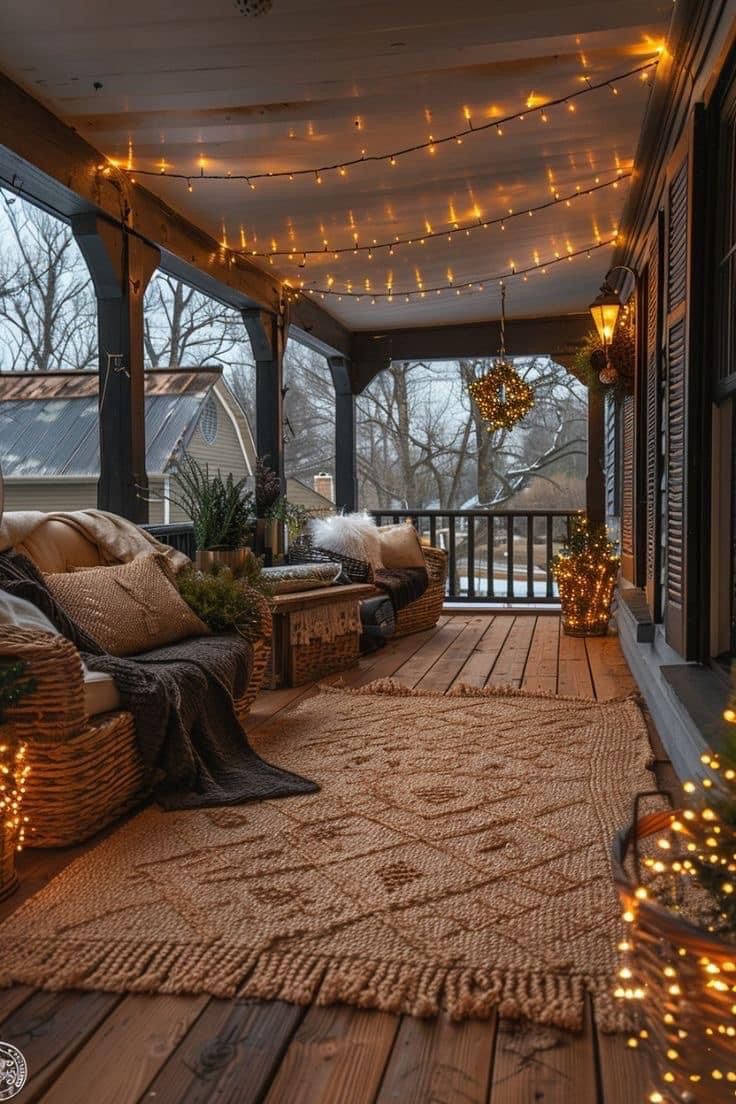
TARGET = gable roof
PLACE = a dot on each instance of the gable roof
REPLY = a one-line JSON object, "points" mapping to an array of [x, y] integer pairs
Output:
{"points": [[49, 424]]}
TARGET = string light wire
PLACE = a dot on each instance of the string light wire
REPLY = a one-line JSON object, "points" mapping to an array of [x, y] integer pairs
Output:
{"points": [[467, 285], [392, 155], [414, 239]]}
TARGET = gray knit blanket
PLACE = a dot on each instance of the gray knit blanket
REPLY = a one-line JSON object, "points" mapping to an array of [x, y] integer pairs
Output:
{"points": [[181, 697]]}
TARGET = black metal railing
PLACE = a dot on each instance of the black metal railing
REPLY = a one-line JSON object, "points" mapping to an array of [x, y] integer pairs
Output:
{"points": [[179, 536], [493, 556]]}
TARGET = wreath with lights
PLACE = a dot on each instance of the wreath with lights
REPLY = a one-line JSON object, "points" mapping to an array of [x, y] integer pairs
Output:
{"points": [[501, 395]]}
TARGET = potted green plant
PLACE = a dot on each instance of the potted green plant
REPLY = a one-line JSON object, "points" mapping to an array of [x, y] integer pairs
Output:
{"points": [[13, 775], [225, 601], [268, 492], [290, 516], [222, 511], [586, 571]]}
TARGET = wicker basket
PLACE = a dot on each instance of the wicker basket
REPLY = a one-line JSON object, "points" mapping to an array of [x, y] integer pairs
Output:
{"points": [[311, 662], [425, 612], [303, 551], [8, 876], [697, 1002]]}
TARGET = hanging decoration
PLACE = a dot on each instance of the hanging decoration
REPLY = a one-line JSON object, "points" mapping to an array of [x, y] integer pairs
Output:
{"points": [[391, 157], [501, 395], [301, 256], [610, 367]]}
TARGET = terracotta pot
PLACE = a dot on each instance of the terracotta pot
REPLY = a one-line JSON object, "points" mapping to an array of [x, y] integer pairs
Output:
{"points": [[234, 558]]}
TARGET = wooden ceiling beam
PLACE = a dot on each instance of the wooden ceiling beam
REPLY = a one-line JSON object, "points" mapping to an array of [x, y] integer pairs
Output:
{"points": [[48, 163], [559, 337]]}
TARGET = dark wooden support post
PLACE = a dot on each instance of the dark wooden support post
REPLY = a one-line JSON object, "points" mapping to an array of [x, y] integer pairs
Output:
{"points": [[267, 339], [595, 495], [121, 266], [346, 464]]}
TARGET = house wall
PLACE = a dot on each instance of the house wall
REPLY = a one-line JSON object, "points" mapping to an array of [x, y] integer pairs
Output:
{"points": [[52, 495], [675, 482]]}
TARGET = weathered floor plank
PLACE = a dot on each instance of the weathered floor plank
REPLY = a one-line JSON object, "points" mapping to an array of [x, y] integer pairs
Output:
{"points": [[439, 1061], [610, 671], [540, 672], [625, 1074], [120, 1060], [543, 1064], [479, 665], [51, 1028], [573, 675], [230, 1055], [511, 663], [337, 1055], [443, 673]]}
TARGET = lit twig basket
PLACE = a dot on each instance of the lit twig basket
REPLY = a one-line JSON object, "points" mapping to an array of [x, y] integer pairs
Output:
{"points": [[586, 571], [13, 776], [682, 980]]}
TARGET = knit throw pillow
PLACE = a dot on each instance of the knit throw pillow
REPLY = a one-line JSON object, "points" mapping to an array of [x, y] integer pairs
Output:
{"points": [[400, 546], [128, 608], [354, 535]]}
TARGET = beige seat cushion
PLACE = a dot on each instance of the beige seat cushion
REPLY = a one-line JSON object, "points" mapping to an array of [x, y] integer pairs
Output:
{"points": [[100, 693], [127, 608], [56, 547], [400, 546]]}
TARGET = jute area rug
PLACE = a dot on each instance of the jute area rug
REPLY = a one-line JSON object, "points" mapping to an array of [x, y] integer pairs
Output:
{"points": [[456, 859]]}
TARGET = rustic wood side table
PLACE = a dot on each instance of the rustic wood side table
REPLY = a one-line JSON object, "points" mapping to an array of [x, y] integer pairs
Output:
{"points": [[315, 633]]}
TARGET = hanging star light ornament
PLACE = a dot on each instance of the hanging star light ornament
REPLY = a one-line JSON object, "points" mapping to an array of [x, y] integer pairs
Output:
{"points": [[501, 395]]}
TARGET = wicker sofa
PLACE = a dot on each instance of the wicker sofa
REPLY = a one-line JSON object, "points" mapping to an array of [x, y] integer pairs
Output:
{"points": [[422, 614], [85, 771]]}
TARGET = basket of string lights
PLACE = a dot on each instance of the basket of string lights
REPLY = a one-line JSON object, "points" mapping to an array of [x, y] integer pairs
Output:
{"points": [[586, 570], [675, 870], [13, 775]]}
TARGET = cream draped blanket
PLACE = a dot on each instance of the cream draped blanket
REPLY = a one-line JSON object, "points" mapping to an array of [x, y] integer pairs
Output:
{"points": [[117, 539]]}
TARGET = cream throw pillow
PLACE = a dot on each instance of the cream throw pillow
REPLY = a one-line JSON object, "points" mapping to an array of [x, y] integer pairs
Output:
{"points": [[354, 535], [128, 608], [400, 546]]}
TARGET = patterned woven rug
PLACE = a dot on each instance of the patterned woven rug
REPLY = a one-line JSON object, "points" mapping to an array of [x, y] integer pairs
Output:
{"points": [[455, 859]]}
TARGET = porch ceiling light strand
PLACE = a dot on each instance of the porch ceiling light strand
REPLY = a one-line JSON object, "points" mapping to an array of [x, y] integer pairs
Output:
{"points": [[465, 286], [391, 157], [501, 395], [302, 255]]}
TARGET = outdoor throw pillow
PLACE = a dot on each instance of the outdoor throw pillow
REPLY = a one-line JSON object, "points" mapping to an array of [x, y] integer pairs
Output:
{"points": [[400, 546], [127, 608], [354, 535], [292, 578]]}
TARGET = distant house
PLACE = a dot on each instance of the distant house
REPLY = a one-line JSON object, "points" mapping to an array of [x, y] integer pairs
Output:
{"points": [[49, 446]]}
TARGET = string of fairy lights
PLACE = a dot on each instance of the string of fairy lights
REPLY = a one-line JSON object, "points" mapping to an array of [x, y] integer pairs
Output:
{"points": [[392, 294], [532, 110], [371, 290], [428, 234]]}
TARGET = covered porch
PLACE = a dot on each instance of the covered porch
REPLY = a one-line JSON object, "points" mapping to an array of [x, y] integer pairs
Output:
{"points": [[385, 184]]}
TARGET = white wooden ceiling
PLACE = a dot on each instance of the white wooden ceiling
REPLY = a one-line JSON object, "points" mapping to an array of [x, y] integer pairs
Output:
{"points": [[314, 82]]}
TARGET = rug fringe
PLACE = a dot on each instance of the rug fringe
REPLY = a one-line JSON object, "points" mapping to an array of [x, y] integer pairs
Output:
{"points": [[399, 987], [465, 690]]}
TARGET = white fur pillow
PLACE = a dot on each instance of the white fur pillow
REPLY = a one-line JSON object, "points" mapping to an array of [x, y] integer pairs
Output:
{"points": [[354, 535]]}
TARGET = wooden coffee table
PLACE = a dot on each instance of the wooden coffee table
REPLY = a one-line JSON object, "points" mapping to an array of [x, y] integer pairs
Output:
{"points": [[315, 633]]}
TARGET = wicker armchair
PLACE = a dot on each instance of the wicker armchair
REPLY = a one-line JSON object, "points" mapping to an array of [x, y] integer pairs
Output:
{"points": [[417, 616], [85, 771]]}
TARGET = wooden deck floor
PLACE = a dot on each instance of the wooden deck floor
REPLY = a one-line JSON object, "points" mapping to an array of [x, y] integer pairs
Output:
{"points": [[120, 1049]]}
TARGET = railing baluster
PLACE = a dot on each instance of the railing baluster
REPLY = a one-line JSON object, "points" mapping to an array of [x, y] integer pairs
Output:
{"points": [[510, 556], [471, 556], [433, 531], [491, 585], [549, 523], [530, 556], [452, 556]]}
